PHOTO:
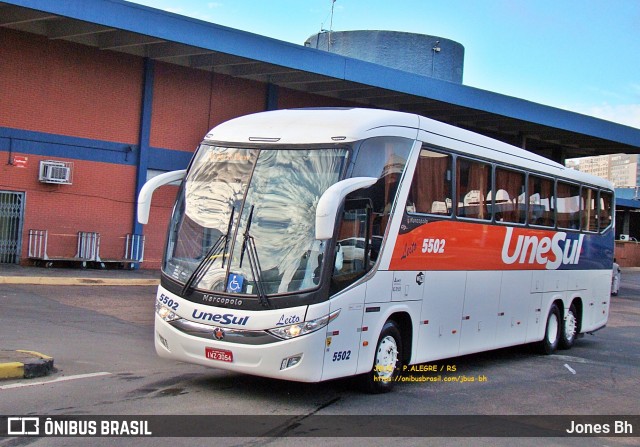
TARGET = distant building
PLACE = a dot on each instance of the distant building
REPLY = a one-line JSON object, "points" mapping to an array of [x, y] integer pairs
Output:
{"points": [[620, 169]]}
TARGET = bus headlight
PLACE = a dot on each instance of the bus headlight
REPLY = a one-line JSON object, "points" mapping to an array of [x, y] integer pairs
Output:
{"points": [[306, 327], [165, 313]]}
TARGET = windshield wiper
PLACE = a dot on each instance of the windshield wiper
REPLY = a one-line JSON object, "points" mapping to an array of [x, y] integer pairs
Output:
{"points": [[220, 245], [249, 245]]}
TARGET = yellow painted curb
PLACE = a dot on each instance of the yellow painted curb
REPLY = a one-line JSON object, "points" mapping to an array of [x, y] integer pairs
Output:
{"points": [[35, 354], [11, 370], [57, 281], [24, 364]]}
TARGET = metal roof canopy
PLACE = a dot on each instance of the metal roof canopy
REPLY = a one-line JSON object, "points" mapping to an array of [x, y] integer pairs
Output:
{"points": [[146, 32], [630, 204]]}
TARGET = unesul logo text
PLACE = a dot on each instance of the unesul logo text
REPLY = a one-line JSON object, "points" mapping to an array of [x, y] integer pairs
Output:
{"points": [[220, 318], [550, 252]]}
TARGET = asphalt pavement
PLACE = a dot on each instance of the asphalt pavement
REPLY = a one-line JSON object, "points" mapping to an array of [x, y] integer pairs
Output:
{"points": [[17, 364]]}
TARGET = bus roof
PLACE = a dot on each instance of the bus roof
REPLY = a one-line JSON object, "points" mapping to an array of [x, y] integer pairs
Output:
{"points": [[311, 125], [335, 125]]}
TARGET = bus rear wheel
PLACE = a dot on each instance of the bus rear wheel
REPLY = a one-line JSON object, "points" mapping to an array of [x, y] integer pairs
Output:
{"points": [[569, 328], [551, 339], [387, 361]]}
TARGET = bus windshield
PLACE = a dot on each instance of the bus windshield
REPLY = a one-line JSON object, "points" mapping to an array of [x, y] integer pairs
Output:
{"points": [[272, 193]]}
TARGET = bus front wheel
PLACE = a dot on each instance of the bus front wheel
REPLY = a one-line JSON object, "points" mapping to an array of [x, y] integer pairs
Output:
{"points": [[387, 361], [551, 339]]}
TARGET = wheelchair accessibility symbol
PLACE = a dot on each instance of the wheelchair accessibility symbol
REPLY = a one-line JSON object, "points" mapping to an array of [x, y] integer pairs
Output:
{"points": [[235, 283]]}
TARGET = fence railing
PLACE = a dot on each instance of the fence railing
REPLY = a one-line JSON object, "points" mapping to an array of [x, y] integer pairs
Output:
{"points": [[38, 244], [87, 248], [134, 248]]}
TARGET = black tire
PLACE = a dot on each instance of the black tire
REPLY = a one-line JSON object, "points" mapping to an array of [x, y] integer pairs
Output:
{"points": [[552, 331], [387, 360], [569, 328]]}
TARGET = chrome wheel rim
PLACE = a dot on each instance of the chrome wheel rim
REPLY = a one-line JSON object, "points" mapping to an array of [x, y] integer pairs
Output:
{"points": [[552, 328], [570, 326], [386, 357]]}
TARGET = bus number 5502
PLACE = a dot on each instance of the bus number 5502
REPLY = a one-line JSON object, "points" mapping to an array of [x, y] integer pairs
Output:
{"points": [[433, 245]]}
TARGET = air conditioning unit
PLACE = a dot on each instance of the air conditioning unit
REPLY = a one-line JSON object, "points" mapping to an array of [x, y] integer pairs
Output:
{"points": [[624, 237], [58, 172]]}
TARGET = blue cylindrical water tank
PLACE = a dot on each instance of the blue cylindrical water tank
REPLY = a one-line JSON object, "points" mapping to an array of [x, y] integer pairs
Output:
{"points": [[422, 54]]}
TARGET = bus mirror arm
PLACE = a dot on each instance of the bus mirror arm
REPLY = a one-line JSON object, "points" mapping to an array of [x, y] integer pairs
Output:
{"points": [[146, 192], [331, 200]]}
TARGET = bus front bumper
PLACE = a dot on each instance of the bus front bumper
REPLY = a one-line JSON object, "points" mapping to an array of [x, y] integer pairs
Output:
{"points": [[298, 359]]}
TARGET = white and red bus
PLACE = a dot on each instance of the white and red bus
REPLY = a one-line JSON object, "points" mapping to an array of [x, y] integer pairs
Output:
{"points": [[313, 244]]}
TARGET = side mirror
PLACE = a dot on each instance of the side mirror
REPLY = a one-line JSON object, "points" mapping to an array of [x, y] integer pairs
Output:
{"points": [[144, 198], [330, 202]]}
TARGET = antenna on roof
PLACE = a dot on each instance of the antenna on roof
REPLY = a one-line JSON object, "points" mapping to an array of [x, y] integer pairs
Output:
{"points": [[327, 31], [333, 3]]}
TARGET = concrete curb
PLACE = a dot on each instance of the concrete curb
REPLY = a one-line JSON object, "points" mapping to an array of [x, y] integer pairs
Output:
{"points": [[75, 281], [23, 364]]}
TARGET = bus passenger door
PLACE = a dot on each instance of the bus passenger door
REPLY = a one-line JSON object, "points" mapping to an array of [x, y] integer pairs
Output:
{"points": [[352, 260]]}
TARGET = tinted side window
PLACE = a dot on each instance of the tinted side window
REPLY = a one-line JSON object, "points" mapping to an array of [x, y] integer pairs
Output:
{"points": [[540, 201], [354, 248], [384, 158], [568, 206], [508, 200], [588, 207], [430, 191], [474, 184], [605, 210]]}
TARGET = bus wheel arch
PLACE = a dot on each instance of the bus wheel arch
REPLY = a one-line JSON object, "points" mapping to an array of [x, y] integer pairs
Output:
{"points": [[393, 350], [571, 324], [387, 360], [403, 321]]}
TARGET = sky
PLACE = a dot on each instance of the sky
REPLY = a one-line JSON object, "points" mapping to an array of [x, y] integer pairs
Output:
{"points": [[578, 55]]}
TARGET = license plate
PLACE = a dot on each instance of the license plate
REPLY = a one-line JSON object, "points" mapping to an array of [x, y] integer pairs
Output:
{"points": [[222, 355]]}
